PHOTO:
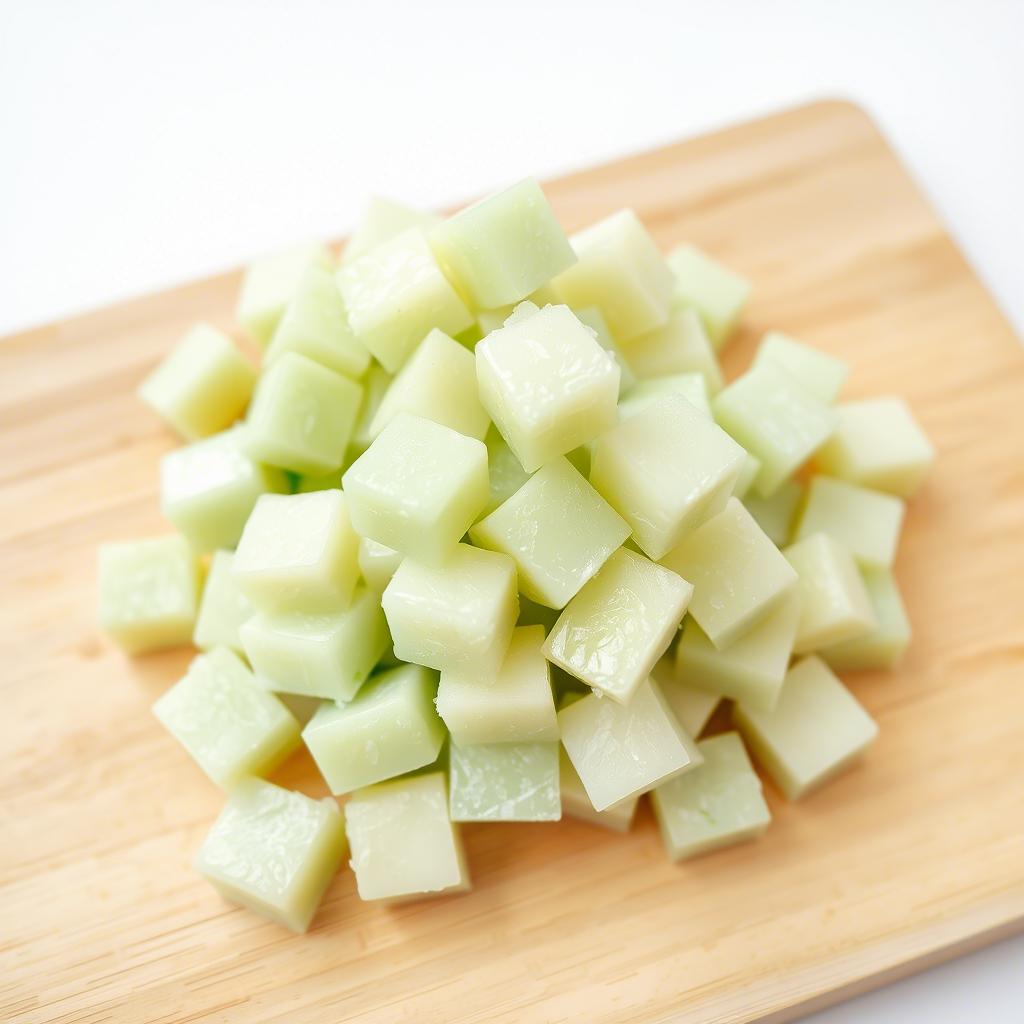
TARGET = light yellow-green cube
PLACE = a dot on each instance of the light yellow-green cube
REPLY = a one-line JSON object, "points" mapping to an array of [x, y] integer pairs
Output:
{"points": [[738, 575], [621, 271], [418, 488], [666, 470], [298, 553], [228, 725], [777, 515], [375, 386], [748, 474], [274, 851], [619, 624], [377, 563], [505, 472], [816, 730], [717, 293], [591, 316], [202, 386], [867, 523], [690, 385], [878, 443], [457, 618], [147, 593], [576, 803], [269, 284], [558, 530], [223, 607], [546, 383], [395, 294], [680, 345], [382, 220], [822, 374], [884, 646], [504, 782], [834, 606], [693, 705], [438, 383]]}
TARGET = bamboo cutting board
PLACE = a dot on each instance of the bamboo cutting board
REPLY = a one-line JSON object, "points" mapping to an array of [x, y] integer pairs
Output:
{"points": [[913, 856]]}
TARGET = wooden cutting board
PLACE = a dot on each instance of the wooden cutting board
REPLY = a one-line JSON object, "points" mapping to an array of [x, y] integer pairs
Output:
{"points": [[912, 857]]}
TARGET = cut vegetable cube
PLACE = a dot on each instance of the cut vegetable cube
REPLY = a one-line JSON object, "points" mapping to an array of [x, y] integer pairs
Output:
{"points": [[382, 220], [325, 655], [885, 645], [546, 383], [750, 669], [775, 418], [504, 782], [738, 575], [273, 851], [619, 624], [816, 730], [375, 386], [834, 604], [315, 325], [718, 294], [666, 470], [591, 316], [208, 489], [147, 593], [867, 523], [557, 529], [879, 444], [377, 563], [718, 804], [504, 247], [203, 385], [298, 553], [777, 515], [505, 472], [395, 294], [751, 467], [690, 385], [229, 725], [823, 375], [270, 283], [680, 345], [438, 383], [516, 707], [223, 607], [458, 618], [404, 845], [693, 705], [621, 752], [390, 727], [418, 487]]}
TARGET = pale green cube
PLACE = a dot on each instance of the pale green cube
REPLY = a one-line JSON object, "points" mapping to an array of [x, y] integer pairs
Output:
{"points": [[576, 803], [223, 607], [202, 386], [878, 443], [228, 725], [302, 416], [516, 707], [738, 575], [775, 418], [390, 727], [621, 271], [274, 851], [621, 752], [717, 293], [315, 325], [680, 345], [269, 284], [591, 316], [504, 247], [375, 386], [621, 622], [404, 845], [377, 563], [834, 606], [418, 487], [546, 383], [557, 529], [690, 385], [816, 730], [883, 646], [718, 804], [693, 705], [208, 489], [748, 474], [298, 553], [147, 593], [438, 383], [326, 655], [777, 515], [751, 668], [396, 294], [457, 618], [823, 375], [666, 470], [504, 782], [867, 523], [309, 483], [381, 221], [504, 471]]}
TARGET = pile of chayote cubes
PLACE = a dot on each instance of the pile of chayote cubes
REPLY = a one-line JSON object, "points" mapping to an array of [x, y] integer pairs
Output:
{"points": [[489, 534]]}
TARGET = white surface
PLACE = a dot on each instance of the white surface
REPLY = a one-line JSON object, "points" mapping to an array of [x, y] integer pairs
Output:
{"points": [[144, 144]]}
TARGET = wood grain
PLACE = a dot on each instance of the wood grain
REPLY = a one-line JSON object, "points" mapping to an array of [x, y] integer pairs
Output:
{"points": [[913, 855]]}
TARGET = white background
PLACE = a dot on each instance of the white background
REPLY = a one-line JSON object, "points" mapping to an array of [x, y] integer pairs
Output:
{"points": [[144, 144]]}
